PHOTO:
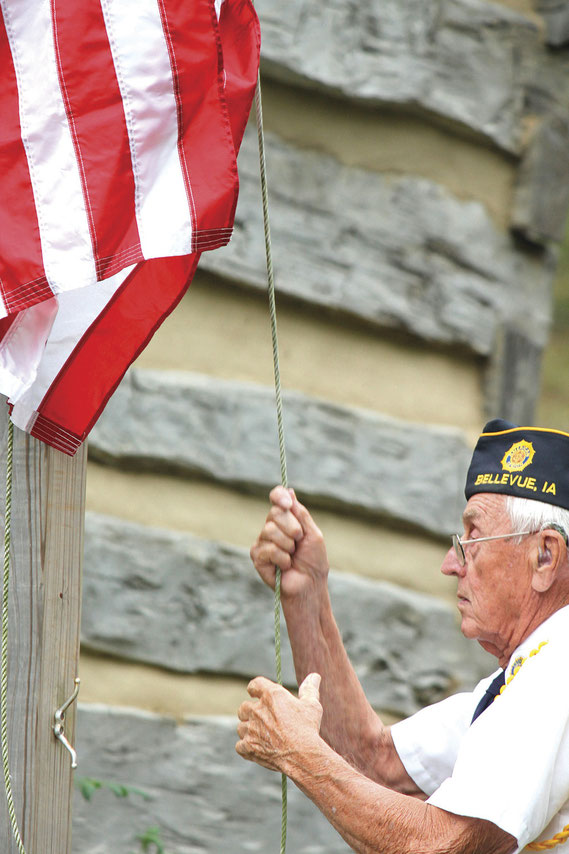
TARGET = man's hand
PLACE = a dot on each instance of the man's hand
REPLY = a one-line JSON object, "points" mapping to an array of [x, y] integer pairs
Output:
{"points": [[291, 541], [276, 725]]}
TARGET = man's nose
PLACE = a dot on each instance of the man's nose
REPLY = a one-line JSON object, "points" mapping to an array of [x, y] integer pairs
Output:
{"points": [[450, 564]]}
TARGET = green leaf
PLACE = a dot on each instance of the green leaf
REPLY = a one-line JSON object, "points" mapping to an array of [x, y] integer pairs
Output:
{"points": [[119, 790], [87, 786], [140, 792], [152, 836]]}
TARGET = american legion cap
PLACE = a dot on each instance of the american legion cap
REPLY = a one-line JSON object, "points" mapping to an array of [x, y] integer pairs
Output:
{"points": [[530, 462]]}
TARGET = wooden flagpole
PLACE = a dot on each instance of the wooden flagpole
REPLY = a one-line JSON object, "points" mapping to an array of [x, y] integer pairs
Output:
{"points": [[48, 509]]}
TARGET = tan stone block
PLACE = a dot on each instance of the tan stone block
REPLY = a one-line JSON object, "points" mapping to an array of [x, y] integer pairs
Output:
{"points": [[218, 513], [222, 330]]}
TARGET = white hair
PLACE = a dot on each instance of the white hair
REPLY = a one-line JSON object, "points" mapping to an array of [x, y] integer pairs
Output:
{"points": [[527, 514]]}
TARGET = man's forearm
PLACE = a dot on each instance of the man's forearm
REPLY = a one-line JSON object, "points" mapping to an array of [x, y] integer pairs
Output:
{"points": [[375, 820], [349, 723]]}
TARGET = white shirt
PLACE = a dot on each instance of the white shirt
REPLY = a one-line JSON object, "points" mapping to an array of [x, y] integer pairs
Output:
{"points": [[511, 766]]}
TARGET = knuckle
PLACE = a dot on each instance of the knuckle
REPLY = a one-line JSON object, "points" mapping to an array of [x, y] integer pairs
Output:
{"points": [[318, 535], [282, 559], [255, 687], [253, 554], [273, 513], [273, 554], [271, 530]]}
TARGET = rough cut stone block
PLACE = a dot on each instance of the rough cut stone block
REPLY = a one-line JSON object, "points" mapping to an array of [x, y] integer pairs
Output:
{"points": [[556, 15], [339, 456], [203, 797], [466, 60], [513, 377], [192, 605], [542, 192], [397, 252]]}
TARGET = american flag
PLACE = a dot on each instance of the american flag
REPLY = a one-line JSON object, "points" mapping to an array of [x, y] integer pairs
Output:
{"points": [[120, 124]]}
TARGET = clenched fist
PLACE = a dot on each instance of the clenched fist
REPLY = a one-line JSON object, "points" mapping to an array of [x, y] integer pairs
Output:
{"points": [[290, 540]]}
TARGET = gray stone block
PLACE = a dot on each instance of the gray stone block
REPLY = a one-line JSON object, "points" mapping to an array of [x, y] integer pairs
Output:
{"points": [[203, 797], [513, 378], [541, 198], [556, 15], [397, 252], [192, 605], [337, 456], [466, 60]]}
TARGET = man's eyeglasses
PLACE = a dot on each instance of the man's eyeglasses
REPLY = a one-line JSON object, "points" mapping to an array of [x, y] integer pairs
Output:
{"points": [[459, 544]]}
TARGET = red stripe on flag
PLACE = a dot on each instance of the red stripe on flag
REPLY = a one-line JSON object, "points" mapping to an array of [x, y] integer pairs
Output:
{"points": [[205, 144], [5, 324], [22, 275], [95, 113], [241, 42], [82, 388]]}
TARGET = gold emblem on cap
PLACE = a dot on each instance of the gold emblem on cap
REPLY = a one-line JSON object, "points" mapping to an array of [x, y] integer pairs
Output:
{"points": [[518, 457]]}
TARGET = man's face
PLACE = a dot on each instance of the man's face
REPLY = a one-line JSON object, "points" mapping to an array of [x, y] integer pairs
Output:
{"points": [[494, 585]]}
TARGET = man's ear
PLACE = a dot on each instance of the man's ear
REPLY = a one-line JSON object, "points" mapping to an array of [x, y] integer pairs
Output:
{"points": [[547, 558]]}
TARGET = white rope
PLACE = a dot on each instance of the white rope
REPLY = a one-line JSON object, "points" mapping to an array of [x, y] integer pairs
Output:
{"points": [[4, 645]]}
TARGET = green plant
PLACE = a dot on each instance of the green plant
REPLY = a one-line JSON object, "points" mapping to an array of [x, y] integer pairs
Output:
{"points": [[151, 840], [152, 837], [89, 785]]}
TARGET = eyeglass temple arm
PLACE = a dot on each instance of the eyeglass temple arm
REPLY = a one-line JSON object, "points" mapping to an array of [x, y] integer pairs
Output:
{"points": [[553, 527], [496, 537]]}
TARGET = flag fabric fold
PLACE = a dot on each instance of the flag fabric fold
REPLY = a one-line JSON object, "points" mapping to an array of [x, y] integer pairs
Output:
{"points": [[120, 128]]}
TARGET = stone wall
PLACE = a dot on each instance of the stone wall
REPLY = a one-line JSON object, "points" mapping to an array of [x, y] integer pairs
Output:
{"points": [[417, 160]]}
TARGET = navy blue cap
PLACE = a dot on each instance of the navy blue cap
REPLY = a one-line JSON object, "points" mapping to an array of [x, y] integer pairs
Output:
{"points": [[530, 462]]}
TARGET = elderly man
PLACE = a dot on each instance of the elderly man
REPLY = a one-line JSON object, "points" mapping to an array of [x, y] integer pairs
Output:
{"points": [[483, 773]]}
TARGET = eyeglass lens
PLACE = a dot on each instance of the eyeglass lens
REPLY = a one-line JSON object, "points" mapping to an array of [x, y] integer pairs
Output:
{"points": [[458, 549]]}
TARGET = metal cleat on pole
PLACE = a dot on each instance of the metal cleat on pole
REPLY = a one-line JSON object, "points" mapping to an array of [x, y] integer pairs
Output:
{"points": [[59, 726]]}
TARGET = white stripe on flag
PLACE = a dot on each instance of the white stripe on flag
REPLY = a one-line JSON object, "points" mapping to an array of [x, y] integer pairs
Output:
{"points": [[77, 311], [144, 74], [64, 229], [23, 347]]}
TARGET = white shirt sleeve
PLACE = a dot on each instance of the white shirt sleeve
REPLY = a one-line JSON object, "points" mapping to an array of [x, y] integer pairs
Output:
{"points": [[511, 766], [428, 742]]}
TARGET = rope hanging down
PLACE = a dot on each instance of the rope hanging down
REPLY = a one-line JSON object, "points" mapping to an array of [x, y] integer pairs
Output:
{"points": [[4, 645], [278, 395]]}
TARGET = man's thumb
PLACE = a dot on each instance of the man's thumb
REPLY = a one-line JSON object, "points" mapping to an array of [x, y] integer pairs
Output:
{"points": [[309, 689]]}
